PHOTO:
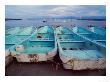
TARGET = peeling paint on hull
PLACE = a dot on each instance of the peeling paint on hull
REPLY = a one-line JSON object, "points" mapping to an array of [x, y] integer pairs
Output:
{"points": [[34, 57], [85, 64], [8, 57]]}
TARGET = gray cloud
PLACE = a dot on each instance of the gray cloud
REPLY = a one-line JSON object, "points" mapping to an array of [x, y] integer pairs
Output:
{"points": [[22, 11]]}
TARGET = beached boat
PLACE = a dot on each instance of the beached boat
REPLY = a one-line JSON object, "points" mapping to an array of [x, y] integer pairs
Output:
{"points": [[41, 46], [13, 37], [78, 53], [93, 36]]}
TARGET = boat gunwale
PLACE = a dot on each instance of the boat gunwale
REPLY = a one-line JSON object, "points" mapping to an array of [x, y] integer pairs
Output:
{"points": [[55, 44]]}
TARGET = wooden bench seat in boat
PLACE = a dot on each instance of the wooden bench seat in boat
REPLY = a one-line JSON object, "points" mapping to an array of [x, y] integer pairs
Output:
{"points": [[74, 41], [41, 40], [100, 40], [85, 33]]}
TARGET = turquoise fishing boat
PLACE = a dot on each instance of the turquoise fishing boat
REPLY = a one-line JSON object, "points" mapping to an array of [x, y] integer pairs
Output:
{"points": [[40, 46], [78, 53], [12, 30], [15, 36], [92, 36]]}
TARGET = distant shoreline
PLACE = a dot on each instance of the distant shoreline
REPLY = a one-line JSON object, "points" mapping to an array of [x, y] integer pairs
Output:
{"points": [[6, 19], [73, 18], [93, 19]]}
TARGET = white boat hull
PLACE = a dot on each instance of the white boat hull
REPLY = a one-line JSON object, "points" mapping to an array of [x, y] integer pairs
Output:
{"points": [[34, 57], [75, 64]]}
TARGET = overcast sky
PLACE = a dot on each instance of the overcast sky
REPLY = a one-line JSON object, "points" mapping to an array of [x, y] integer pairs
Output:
{"points": [[53, 10]]}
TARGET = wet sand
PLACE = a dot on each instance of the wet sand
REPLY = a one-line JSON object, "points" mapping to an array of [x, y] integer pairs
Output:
{"points": [[46, 69]]}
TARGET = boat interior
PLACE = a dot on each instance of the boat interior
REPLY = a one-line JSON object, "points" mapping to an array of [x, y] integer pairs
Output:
{"points": [[90, 35], [79, 48], [12, 31], [98, 30], [82, 50], [13, 39], [42, 41]]}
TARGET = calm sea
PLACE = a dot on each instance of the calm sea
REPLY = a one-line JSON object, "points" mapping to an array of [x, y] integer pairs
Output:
{"points": [[64, 22]]}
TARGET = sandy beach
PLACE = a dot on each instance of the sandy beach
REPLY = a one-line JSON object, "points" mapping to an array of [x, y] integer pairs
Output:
{"points": [[46, 69]]}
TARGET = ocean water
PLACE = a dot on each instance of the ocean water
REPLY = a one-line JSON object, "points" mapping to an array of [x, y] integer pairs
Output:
{"points": [[63, 22]]}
